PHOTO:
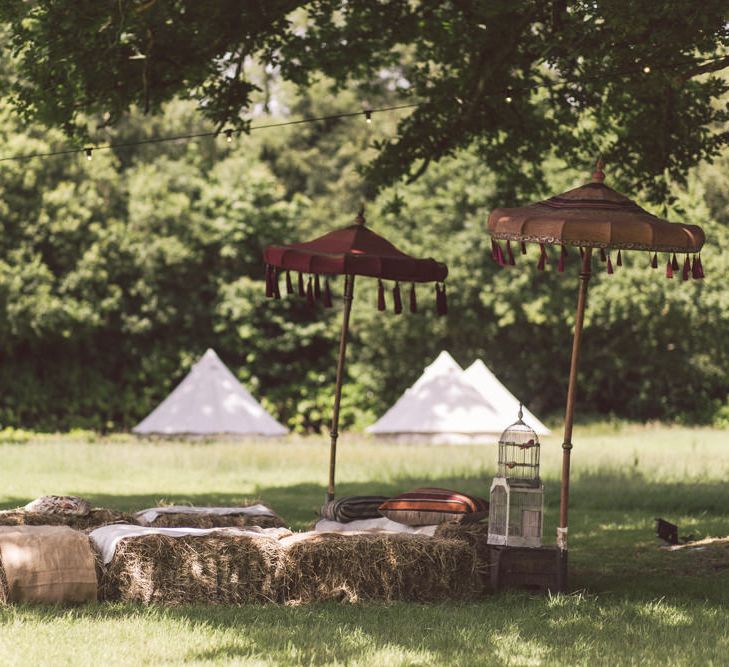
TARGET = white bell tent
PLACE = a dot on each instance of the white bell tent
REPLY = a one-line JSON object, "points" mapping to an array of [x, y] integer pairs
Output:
{"points": [[449, 405], [500, 397], [210, 401]]}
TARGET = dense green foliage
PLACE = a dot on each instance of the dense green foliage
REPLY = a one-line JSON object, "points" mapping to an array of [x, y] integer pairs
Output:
{"points": [[635, 81], [633, 603], [116, 274]]}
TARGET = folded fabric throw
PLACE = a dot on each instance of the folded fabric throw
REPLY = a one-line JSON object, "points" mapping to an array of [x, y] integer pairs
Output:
{"points": [[108, 537], [381, 525], [50, 564], [149, 515], [432, 506], [352, 508], [73, 505]]}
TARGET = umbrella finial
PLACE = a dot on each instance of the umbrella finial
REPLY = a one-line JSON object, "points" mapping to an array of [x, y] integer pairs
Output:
{"points": [[360, 219], [521, 412], [598, 176]]}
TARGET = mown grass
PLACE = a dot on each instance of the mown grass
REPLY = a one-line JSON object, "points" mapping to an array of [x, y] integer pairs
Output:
{"points": [[631, 602]]}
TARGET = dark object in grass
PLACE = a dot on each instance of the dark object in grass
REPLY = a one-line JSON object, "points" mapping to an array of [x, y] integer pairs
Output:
{"points": [[95, 518], [209, 569], [382, 567], [667, 531]]}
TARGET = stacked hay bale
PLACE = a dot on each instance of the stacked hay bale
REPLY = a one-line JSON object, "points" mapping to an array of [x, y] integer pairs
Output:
{"points": [[383, 567], [475, 535], [210, 569], [96, 517], [183, 520]]}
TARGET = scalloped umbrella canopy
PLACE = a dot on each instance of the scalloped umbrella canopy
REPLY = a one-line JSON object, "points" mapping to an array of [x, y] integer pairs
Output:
{"points": [[590, 216], [354, 250], [594, 215], [351, 251]]}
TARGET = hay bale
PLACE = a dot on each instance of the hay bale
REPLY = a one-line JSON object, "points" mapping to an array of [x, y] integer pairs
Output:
{"points": [[384, 567], [476, 536], [199, 520], [98, 516], [4, 587], [210, 569]]}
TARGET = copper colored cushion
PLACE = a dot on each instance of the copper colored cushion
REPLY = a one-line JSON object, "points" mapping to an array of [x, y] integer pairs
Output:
{"points": [[429, 506]]}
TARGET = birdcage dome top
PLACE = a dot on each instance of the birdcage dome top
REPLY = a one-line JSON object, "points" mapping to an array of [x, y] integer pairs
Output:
{"points": [[519, 433]]}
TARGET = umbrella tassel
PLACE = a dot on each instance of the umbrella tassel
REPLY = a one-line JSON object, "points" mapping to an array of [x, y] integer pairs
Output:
{"points": [[309, 292], [620, 259], [523, 248], [674, 263], [413, 299], [609, 265], [603, 256], [269, 282], [302, 291], [327, 294], [701, 267], [510, 254], [317, 287], [562, 258], [696, 271], [542, 258], [500, 255], [654, 261], [441, 300], [380, 295], [274, 279], [493, 251], [289, 284], [686, 269], [669, 268], [397, 299]]}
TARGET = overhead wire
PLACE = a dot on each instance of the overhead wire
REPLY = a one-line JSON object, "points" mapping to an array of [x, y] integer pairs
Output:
{"points": [[507, 94]]}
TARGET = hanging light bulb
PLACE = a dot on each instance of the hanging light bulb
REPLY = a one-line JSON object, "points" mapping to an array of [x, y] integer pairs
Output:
{"points": [[229, 136], [88, 153], [368, 116], [647, 69], [509, 99]]}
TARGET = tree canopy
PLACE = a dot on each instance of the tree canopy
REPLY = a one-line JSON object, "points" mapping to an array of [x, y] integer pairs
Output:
{"points": [[517, 80]]}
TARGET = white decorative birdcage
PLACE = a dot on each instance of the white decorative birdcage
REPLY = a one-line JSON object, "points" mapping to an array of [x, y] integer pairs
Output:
{"points": [[517, 495]]}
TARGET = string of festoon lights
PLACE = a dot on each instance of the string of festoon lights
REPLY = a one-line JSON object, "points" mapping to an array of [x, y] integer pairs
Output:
{"points": [[508, 96]]}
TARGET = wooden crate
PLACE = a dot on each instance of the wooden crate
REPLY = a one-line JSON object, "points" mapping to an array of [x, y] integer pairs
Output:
{"points": [[525, 568]]}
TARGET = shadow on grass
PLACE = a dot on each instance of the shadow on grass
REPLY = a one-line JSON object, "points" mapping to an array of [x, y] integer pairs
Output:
{"points": [[513, 629]]}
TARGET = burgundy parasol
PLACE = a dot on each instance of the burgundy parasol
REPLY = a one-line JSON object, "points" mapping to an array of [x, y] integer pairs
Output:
{"points": [[592, 216], [353, 250]]}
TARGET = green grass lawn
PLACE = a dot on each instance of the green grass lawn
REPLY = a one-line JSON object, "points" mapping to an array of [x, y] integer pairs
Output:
{"points": [[631, 602]]}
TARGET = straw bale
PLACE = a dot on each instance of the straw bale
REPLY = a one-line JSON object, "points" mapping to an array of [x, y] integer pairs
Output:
{"points": [[200, 520], [386, 567], [209, 569], [476, 536], [4, 587], [98, 516]]}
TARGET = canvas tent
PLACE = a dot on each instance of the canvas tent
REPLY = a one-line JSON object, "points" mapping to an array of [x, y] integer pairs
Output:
{"points": [[499, 396], [449, 405], [209, 401]]}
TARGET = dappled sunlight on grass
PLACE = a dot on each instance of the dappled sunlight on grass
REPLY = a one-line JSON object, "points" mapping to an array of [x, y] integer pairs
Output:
{"points": [[634, 602]]}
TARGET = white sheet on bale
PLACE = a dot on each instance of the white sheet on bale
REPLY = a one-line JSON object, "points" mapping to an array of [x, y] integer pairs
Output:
{"points": [[108, 537], [382, 525], [149, 515]]}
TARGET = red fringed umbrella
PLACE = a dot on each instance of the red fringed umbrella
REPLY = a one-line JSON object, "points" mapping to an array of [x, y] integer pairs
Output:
{"points": [[353, 250], [591, 216]]}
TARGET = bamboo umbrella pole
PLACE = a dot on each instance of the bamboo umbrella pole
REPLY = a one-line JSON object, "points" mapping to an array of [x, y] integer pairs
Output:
{"points": [[334, 433], [585, 274]]}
